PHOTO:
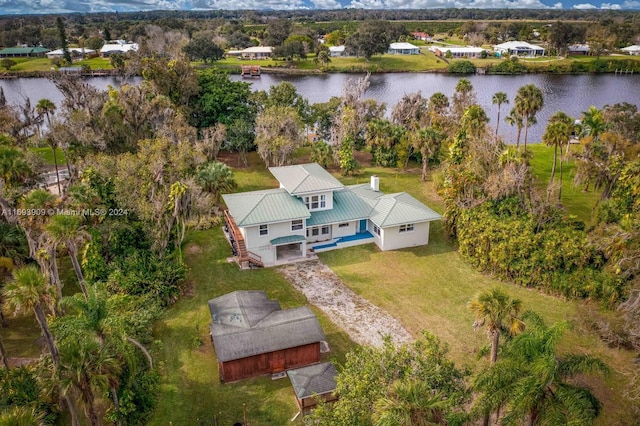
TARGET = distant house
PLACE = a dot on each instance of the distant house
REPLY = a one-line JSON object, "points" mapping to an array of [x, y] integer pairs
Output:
{"points": [[257, 52], [336, 51], [631, 50], [518, 48], [76, 52], [311, 382], [120, 46], [419, 35], [458, 51], [312, 211], [403, 49], [578, 49], [252, 335], [23, 52], [233, 53]]}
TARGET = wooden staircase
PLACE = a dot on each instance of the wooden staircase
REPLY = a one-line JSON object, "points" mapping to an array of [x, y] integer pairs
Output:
{"points": [[244, 257]]}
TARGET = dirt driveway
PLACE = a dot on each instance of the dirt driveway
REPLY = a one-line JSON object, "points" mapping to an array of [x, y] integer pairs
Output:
{"points": [[365, 323]]}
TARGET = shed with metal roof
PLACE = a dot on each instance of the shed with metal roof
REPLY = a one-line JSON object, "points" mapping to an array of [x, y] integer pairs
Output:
{"points": [[311, 382], [252, 335], [22, 52]]}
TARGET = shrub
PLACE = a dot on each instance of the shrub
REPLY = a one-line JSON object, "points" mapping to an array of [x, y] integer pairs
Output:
{"points": [[462, 67]]}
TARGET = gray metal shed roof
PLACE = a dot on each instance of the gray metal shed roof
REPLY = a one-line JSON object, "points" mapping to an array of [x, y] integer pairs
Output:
{"points": [[247, 323], [304, 178], [312, 380], [258, 207]]}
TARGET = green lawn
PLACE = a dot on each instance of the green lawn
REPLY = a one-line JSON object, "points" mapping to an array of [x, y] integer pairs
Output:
{"points": [[96, 63], [46, 153], [190, 388], [576, 201], [32, 64]]}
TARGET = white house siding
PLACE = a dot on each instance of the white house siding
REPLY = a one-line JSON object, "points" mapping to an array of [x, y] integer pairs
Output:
{"points": [[338, 232], [261, 245], [393, 240]]}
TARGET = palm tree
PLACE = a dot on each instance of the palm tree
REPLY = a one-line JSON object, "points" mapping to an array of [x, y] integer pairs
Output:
{"points": [[67, 229], [216, 178], [322, 57], [28, 291], [427, 141], [463, 97], [322, 153], [592, 126], [557, 134], [515, 119], [46, 108], [498, 312], [531, 380], [529, 101], [87, 366], [499, 98], [22, 416], [411, 403], [3, 355], [14, 170]]}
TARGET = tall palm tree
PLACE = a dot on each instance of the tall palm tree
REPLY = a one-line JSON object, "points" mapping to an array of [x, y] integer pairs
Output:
{"points": [[14, 170], [529, 101], [46, 108], [411, 403], [463, 97], [3, 355], [87, 366], [499, 98], [515, 119], [216, 178], [67, 229], [496, 310], [427, 141], [28, 291], [532, 381], [557, 134]]}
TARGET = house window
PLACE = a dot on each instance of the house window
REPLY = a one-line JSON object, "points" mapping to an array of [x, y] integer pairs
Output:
{"points": [[376, 229], [313, 232], [343, 225], [406, 228], [316, 202], [325, 230], [264, 230], [296, 225]]}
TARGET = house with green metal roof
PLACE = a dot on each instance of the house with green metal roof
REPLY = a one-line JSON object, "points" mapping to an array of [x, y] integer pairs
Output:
{"points": [[23, 52], [313, 212]]}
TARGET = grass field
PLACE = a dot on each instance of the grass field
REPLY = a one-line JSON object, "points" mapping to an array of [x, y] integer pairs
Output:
{"points": [[190, 388], [46, 153]]}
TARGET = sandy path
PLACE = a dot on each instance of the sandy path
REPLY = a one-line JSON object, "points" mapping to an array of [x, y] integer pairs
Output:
{"points": [[364, 322]]}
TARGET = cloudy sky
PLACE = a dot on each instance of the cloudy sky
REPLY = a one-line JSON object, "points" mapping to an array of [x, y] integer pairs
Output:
{"points": [[8, 7]]}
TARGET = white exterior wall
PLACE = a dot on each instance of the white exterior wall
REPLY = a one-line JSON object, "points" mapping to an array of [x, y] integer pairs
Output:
{"points": [[393, 240], [343, 232], [261, 246]]}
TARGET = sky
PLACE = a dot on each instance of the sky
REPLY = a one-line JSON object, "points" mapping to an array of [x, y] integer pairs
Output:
{"points": [[9, 7]]}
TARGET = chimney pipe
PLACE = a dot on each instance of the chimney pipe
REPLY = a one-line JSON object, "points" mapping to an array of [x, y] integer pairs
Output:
{"points": [[375, 183]]}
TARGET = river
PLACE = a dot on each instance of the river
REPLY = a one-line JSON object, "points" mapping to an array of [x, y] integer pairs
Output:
{"points": [[569, 93]]}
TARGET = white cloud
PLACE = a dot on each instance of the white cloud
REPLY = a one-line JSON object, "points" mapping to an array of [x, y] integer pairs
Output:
{"points": [[612, 6], [631, 4], [425, 4], [326, 4], [256, 4], [584, 6]]}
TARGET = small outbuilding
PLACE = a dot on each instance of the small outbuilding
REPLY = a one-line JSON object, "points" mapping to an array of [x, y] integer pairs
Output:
{"points": [[253, 336], [313, 382], [403, 49], [257, 52], [337, 51], [119, 47]]}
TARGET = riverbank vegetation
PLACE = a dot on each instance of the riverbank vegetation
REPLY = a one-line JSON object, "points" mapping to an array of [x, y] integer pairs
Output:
{"points": [[115, 264], [301, 43]]}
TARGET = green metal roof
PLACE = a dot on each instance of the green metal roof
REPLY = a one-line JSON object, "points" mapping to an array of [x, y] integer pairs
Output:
{"points": [[259, 207], [347, 206], [288, 239], [394, 209], [305, 178], [23, 50]]}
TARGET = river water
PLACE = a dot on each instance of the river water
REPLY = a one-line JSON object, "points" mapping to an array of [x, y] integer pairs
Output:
{"points": [[569, 93]]}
